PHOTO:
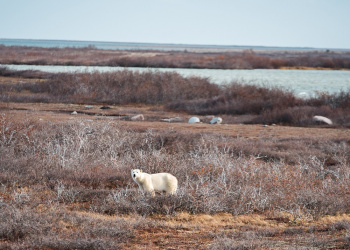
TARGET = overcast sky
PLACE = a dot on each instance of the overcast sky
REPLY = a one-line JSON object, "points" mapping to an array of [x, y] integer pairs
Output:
{"points": [[292, 23]]}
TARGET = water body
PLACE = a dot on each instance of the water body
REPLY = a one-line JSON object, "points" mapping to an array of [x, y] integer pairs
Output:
{"points": [[142, 46], [303, 83]]}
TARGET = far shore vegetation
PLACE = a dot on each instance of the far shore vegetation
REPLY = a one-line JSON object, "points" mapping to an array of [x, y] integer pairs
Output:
{"points": [[240, 59]]}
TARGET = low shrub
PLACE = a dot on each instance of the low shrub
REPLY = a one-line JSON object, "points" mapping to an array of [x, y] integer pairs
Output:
{"points": [[238, 99], [217, 173], [57, 189], [50, 229], [193, 95], [120, 87]]}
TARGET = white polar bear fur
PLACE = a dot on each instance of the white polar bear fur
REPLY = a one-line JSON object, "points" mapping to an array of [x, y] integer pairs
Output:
{"points": [[155, 182]]}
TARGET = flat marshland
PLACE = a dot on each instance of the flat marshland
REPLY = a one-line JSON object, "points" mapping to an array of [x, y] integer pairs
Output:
{"points": [[65, 178]]}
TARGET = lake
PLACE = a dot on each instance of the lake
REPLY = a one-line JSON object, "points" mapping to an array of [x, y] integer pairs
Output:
{"points": [[303, 83]]}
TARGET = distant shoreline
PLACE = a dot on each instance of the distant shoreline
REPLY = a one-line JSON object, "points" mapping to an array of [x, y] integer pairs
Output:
{"points": [[151, 46], [311, 68], [215, 57]]}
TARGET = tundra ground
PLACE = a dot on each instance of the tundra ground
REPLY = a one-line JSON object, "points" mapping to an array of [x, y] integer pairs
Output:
{"points": [[65, 181]]}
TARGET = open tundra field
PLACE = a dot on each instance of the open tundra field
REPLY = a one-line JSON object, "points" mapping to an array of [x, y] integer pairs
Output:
{"points": [[66, 184], [65, 163]]}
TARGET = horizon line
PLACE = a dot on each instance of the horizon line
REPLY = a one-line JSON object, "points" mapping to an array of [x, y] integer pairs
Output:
{"points": [[183, 44]]}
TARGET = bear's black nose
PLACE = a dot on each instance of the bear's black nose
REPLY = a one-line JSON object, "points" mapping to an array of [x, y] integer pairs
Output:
{"points": [[134, 175]]}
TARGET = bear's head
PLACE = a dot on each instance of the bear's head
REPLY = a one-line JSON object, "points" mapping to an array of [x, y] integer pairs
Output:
{"points": [[136, 173]]}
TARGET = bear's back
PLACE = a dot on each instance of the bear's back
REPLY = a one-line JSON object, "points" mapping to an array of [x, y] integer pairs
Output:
{"points": [[164, 181]]}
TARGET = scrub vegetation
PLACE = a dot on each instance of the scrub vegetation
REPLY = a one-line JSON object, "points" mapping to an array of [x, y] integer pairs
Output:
{"points": [[193, 95], [67, 185], [65, 179], [233, 59]]}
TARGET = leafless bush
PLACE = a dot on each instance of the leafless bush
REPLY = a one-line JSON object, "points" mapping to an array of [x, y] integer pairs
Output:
{"points": [[237, 98], [347, 238], [4, 71], [120, 87], [341, 225], [270, 105], [48, 230], [89, 164], [86, 167], [17, 224]]}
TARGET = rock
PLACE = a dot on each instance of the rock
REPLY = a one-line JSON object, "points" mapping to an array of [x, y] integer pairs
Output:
{"points": [[74, 113], [194, 120], [139, 117], [175, 119], [105, 107], [303, 95], [124, 117], [216, 120], [322, 119], [89, 106]]}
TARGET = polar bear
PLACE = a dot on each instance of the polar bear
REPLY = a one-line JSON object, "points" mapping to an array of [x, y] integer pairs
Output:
{"points": [[155, 182]]}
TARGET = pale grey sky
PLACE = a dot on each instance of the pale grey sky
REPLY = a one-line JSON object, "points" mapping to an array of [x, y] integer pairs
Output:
{"points": [[292, 23]]}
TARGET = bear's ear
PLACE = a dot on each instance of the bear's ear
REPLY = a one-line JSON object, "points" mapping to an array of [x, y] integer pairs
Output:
{"points": [[140, 170]]}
